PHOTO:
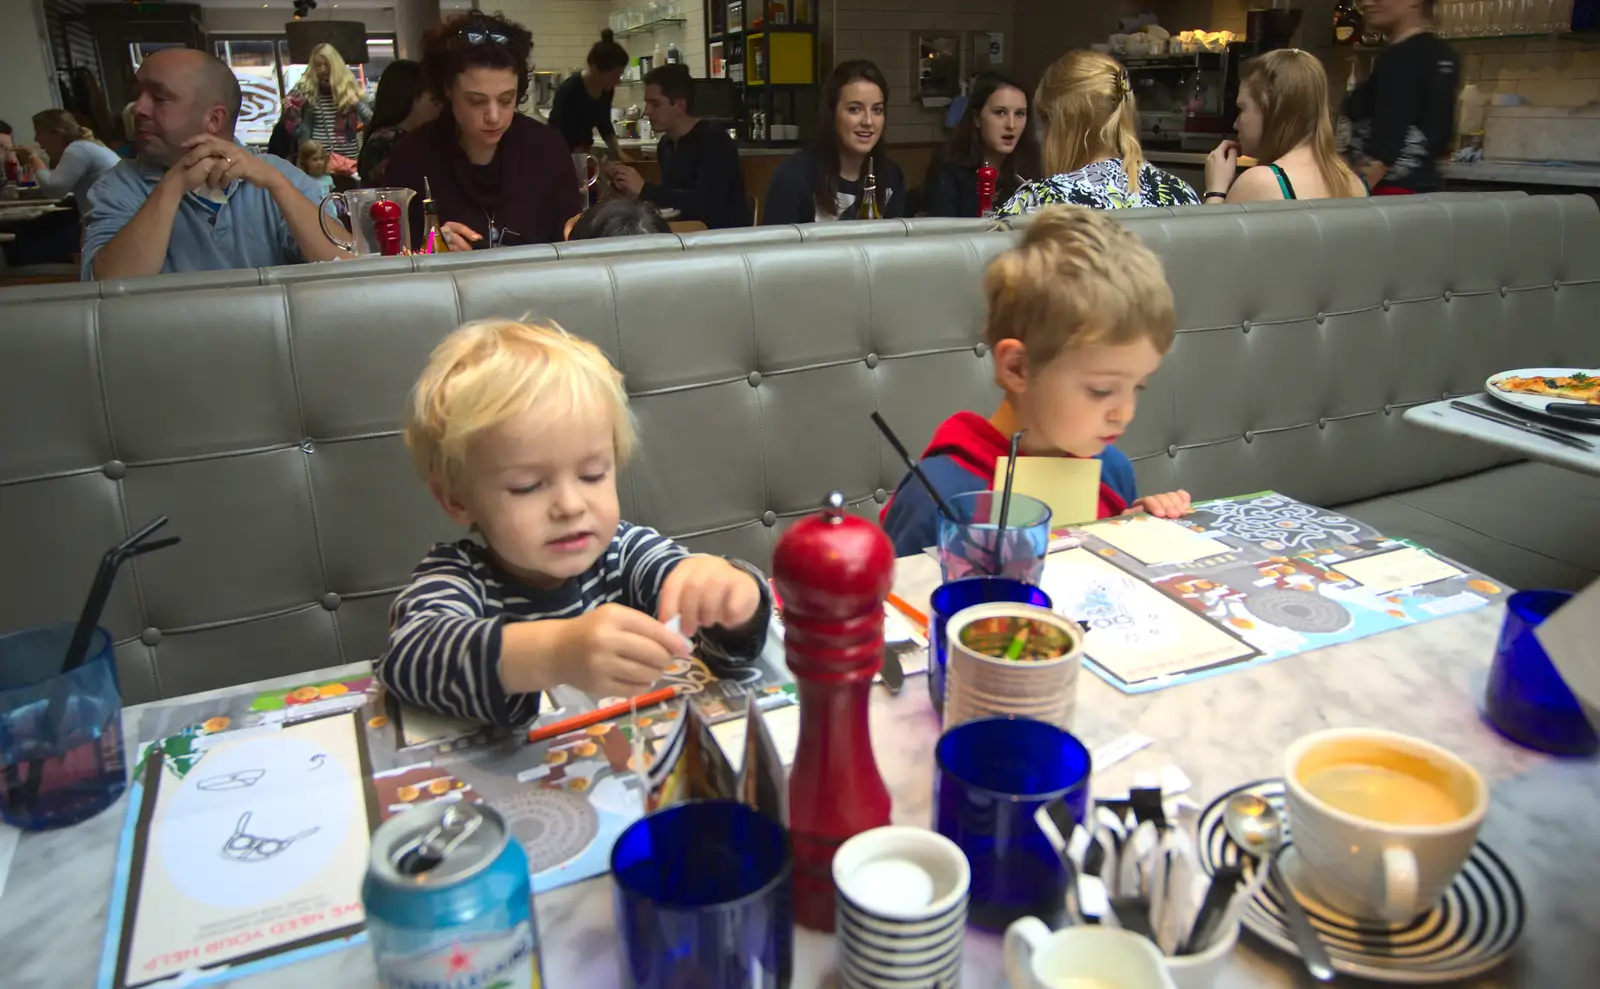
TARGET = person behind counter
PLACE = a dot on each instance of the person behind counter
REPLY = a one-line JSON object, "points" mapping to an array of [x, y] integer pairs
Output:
{"points": [[403, 104], [700, 176], [581, 105], [994, 131], [1284, 124], [1090, 143], [1403, 117], [498, 177], [823, 181]]}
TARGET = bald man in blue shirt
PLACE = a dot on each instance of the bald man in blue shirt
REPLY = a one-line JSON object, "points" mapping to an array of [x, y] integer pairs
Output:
{"points": [[194, 199]]}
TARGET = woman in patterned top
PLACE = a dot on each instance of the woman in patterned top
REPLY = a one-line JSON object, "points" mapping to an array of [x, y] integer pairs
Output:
{"points": [[328, 106], [1090, 143]]}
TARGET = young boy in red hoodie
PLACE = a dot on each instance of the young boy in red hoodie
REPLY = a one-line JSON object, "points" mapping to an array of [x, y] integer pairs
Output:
{"points": [[1079, 317]]}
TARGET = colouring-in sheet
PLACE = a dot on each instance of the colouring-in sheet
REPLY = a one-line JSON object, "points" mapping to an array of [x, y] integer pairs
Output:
{"points": [[259, 846]]}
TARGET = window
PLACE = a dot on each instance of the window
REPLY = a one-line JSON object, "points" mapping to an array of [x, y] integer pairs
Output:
{"points": [[255, 65]]}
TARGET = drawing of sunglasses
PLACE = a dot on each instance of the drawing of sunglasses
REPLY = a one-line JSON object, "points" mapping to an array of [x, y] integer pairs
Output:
{"points": [[231, 781], [242, 847]]}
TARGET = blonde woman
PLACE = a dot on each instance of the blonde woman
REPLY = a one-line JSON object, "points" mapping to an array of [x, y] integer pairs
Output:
{"points": [[328, 106], [76, 158], [1284, 124], [1089, 144]]}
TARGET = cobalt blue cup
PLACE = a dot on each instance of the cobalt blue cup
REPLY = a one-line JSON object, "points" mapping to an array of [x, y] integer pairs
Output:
{"points": [[60, 733], [993, 774], [1527, 701], [703, 898], [957, 596]]}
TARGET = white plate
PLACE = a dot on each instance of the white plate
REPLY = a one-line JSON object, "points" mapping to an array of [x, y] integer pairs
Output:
{"points": [[1535, 402], [1473, 928]]}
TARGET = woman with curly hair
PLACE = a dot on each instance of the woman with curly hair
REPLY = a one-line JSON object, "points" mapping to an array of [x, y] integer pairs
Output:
{"points": [[328, 106], [498, 177]]}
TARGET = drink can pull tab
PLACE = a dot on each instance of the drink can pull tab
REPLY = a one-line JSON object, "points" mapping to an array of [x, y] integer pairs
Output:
{"points": [[424, 854]]}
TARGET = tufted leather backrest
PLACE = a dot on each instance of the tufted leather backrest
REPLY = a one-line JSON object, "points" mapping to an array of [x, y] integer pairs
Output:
{"points": [[263, 418]]}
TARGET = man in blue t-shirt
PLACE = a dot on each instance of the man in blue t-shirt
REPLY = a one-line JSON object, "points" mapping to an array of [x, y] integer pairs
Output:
{"points": [[194, 199]]}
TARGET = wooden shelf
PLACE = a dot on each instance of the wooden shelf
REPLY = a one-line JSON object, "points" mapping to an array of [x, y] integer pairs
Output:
{"points": [[652, 26]]}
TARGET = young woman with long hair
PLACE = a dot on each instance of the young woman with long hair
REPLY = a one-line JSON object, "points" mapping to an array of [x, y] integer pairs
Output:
{"points": [[1284, 125], [581, 105], [75, 158], [824, 180], [402, 105], [1403, 117], [328, 106], [995, 131], [498, 177], [1089, 146]]}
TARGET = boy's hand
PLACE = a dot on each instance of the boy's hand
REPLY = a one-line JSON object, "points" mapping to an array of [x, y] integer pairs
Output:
{"points": [[1172, 505], [708, 590], [615, 651]]}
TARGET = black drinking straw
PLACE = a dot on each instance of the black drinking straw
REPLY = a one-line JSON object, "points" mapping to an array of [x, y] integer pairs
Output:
{"points": [[1005, 506], [894, 441], [100, 590]]}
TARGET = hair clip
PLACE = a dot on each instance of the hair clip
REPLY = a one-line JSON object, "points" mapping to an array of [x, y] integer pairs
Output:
{"points": [[1122, 88]]}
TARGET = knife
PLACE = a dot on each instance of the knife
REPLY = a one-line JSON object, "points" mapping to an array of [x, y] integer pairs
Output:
{"points": [[893, 674], [1573, 410], [1554, 435]]}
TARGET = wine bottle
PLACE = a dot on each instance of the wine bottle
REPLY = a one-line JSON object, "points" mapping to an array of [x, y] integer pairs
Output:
{"points": [[868, 208], [1348, 24], [433, 241]]}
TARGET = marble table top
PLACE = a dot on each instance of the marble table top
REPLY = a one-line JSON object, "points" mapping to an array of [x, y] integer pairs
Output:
{"points": [[1426, 680], [1441, 416]]}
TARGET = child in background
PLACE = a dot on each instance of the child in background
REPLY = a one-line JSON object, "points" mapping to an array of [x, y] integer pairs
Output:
{"points": [[314, 162], [1079, 317], [519, 430]]}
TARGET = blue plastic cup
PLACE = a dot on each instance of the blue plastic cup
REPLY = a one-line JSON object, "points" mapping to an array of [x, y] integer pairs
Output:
{"points": [[1526, 700], [958, 596], [972, 545], [993, 774], [703, 898], [61, 756]]}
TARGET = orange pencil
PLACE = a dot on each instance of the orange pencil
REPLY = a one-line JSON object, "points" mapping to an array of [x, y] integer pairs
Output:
{"points": [[905, 608], [598, 715]]}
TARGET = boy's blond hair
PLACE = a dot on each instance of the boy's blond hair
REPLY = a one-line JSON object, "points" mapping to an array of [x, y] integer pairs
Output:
{"points": [[492, 370], [1078, 279]]}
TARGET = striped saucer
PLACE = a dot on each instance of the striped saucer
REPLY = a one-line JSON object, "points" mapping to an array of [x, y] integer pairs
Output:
{"points": [[1473, 928]]}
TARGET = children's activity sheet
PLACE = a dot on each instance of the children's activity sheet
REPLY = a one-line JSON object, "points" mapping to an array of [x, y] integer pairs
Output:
{"points": [[252, 845], [1241, 581]]}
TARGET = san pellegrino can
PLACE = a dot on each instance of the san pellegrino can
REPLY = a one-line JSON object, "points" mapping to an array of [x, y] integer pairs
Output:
{"points": [[448, 902]]}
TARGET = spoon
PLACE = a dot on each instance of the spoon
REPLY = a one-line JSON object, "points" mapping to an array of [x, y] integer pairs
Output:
{"points": [[1256, 828]]}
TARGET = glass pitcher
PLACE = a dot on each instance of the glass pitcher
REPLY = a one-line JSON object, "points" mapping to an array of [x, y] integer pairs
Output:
{"points": [[357, 205]]}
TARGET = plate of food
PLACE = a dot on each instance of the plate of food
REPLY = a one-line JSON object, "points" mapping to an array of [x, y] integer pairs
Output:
{"points": [[1536, 387]]}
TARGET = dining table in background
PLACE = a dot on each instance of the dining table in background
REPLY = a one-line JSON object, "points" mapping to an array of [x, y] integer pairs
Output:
{"points": [[1424, 680], [1444, 417]]}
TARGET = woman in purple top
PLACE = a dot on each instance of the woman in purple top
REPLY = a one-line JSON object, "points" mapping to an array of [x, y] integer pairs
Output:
{"points": [[499, 178]]}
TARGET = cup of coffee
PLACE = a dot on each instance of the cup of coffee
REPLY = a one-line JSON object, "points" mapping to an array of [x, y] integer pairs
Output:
{"points": [[1382, 822], [1081, 958]]}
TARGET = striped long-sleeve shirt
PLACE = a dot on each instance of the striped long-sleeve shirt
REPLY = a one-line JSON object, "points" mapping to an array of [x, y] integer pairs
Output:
{"points": [[445, 627]]}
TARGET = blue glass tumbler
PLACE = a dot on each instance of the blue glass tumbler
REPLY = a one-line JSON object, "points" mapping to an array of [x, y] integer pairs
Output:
{"points": [[972, 545], [61, 756], [993, 774], [1527, 701], [703, 898], [957, 596]]}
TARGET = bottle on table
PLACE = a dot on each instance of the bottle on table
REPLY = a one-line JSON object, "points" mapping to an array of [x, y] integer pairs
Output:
{"points": [[433, 241], [868, 208], [987, 177]]}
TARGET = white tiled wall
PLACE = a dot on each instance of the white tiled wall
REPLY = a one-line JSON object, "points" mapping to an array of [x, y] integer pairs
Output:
{"points": [[690, 37], [1548, 72], [563, 30], [885, 31]]}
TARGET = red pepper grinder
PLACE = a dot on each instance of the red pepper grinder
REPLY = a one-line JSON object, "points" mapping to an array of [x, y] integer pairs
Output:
{"points": [[832, 573], [385, 215], [986, 180]]}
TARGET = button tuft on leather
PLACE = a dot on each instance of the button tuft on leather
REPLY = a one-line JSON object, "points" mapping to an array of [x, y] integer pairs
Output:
{"points": [[308, 445], [1249, 437], [1504, 291], [1245, 326], [1447, 295], [116, 470], [754, 378], [1387, 305], [872, 360], [769, 518], [1388, 410], [981, 349], [150, 636], [1322, 317], [1172, 451], [1555, 286], [331, 601], [1322, 424], [880, 496]]}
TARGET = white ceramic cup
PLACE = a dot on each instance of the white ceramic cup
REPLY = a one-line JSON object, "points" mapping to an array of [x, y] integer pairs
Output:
{"points": [[902, 874], [1373, 869], [1081, 958]]}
